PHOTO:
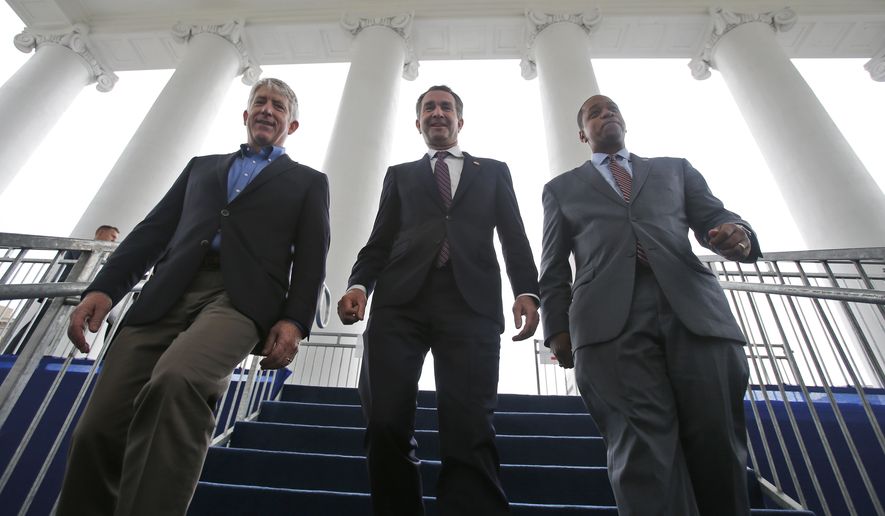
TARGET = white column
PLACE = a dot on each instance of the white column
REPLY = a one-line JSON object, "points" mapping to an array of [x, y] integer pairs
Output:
{"points": [[558, 53], [173, 128], [359, 148], [834, 200], [876, 66], [33, 99]]}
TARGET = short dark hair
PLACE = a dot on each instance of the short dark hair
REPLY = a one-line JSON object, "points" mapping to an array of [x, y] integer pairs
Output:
{"points": [[104, 227], [459, 106]]}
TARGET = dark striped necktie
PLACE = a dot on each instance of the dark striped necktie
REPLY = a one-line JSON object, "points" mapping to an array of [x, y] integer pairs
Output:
{"points": [[625, 184], [444, 186]]}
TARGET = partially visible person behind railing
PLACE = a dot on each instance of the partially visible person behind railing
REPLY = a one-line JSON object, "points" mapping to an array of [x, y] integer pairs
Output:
{"points": [[28, 322], [222, 242]]}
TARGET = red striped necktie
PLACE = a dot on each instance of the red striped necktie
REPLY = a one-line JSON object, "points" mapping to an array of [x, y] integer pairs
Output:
{"points": [[625, 184]]}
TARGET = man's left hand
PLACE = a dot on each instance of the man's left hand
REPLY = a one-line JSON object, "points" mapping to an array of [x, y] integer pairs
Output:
{"points": [[525, 307], [730, 241], [281, 345]]}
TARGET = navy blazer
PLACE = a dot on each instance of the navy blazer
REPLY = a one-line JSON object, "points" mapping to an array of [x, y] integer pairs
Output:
{"points": [[274, 241], [586, 218], [412, 222]]}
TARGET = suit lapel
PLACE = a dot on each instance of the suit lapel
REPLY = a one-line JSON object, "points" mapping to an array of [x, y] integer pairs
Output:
{"points": [[269, 172], [222, 168], [641, 168], [468, 173], [425, 177], [590, 174]]}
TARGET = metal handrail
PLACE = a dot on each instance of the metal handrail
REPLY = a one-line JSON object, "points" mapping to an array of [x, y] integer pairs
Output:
{"points": [[36, 298], [814, 321]]}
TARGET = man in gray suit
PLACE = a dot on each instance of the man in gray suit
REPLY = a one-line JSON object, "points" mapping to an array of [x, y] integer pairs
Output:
{"points": [[658, 356]]}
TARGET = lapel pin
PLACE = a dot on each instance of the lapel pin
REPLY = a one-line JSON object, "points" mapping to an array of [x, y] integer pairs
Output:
{"points": [[476, 163]]}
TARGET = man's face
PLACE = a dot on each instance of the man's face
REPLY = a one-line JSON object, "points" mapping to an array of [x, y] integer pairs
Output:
{"points": [[267, 119], [603, 125], [107, 235], [438, 120]]}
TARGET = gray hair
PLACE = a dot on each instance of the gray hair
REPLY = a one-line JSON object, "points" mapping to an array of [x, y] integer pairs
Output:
{"points": [[277, 86]]}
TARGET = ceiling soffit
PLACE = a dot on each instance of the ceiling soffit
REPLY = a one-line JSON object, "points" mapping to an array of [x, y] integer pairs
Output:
{"points": [[136, 35]]}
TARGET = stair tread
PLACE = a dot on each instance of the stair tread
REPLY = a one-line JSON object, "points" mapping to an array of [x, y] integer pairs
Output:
{"points": [[315, 435]]}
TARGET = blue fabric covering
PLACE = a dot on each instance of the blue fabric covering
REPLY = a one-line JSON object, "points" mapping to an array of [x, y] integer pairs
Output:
{"points": [[304, 456], [50, 425]]}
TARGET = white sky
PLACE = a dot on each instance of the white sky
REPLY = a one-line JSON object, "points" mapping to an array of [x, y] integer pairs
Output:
{"points": [[667, 112]]}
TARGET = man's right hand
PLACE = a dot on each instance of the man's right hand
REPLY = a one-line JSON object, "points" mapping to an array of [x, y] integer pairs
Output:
{"points": [[352, 306], [92, 310], [561, 346]]}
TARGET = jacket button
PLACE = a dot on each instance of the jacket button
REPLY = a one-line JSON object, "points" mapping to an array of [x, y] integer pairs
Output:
{"points": [[225, 213], [204, 243], [448, 217]]}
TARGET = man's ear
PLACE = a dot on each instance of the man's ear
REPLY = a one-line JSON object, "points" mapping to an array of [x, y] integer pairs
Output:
{"points": [[582, 137], [460, 123], [292, 126], [418, 125], [245, 116]]}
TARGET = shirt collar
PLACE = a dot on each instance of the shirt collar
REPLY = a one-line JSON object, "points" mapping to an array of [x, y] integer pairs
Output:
{"points": [[270, 152], [599, 157], [454, 151]]}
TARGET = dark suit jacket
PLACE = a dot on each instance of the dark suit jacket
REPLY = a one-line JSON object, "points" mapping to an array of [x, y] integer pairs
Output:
{"points": [[278, 224], [412, 222], [583, 215]]}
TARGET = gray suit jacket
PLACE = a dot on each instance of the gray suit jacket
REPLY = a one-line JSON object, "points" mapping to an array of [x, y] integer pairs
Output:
{"points": [[584, 216]]}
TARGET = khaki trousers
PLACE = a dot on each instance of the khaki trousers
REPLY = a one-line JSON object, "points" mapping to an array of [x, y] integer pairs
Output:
{"points": [[140, 444]]}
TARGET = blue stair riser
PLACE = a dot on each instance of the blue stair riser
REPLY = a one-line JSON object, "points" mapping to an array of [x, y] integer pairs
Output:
{"points": [[528, 484], [506, 402], [213, 499], [507, 423], [546, 450]]}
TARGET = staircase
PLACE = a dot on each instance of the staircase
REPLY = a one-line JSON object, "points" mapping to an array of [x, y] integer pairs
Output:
{"points": [[304, 456]]}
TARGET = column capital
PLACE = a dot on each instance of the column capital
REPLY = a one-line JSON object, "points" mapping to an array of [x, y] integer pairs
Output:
{"points": [[232, 32], [876, 66], [722, 21], [537, 21], [76, 39], [400, 24]]}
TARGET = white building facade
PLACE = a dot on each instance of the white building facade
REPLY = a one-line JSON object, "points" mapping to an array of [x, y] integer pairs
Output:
{"points": [[749, 43]]}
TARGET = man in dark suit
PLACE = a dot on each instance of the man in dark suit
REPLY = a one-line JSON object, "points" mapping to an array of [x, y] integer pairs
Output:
{"points": [[238, 246], [432, 266], [658, 356]]}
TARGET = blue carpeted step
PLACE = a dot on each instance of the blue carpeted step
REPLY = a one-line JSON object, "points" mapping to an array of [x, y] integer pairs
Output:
{"points": [[513, 449], [341, 473], [506, 423], [212, 499], [506, 402]]}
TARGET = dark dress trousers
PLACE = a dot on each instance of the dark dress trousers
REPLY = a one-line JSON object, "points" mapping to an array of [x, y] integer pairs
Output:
{"points": [[455, 312], [658, 355]]}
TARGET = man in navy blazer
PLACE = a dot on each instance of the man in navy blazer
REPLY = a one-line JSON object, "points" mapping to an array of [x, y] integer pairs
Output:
{"points": [[238, 246], [431, 263], [657, 353]]}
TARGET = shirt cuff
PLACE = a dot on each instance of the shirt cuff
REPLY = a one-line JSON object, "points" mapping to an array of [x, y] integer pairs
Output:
{"points": [[536, 298], [297, 325]]}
